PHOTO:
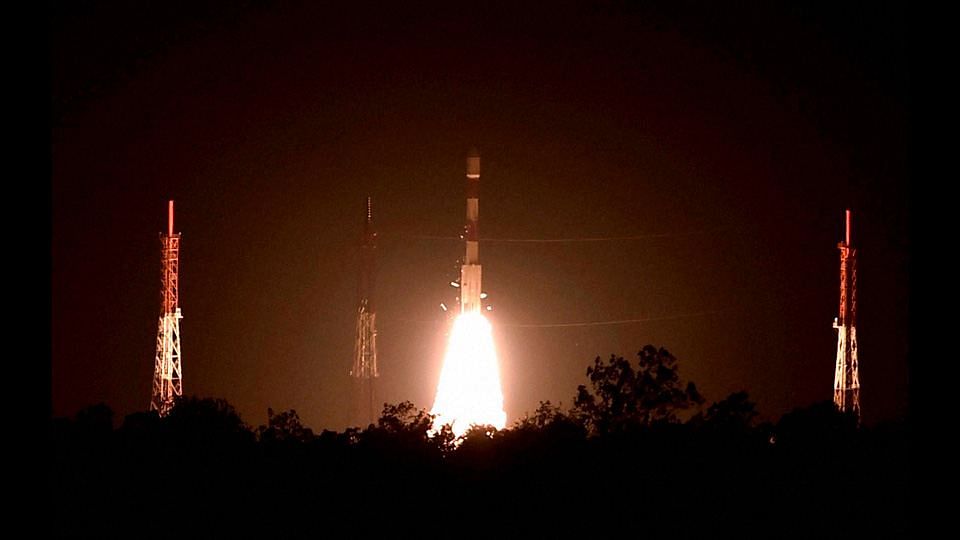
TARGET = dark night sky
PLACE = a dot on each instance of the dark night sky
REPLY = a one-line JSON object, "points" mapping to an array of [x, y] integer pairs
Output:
{"points": [[269, 124]]}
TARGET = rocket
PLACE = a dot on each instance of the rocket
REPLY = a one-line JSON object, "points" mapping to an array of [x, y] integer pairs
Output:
{"points": [[470, 269]]}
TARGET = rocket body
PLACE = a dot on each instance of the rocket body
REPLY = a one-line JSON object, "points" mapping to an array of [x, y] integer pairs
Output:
{"points": [[470, 272]]}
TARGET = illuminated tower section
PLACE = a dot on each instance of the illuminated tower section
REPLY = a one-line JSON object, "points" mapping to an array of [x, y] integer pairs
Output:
{"points": [[846, 380], [470, 270], [365, 349], [167, 376]]}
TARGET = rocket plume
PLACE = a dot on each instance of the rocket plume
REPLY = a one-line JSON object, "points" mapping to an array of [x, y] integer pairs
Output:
{"points": [[469, 389]]}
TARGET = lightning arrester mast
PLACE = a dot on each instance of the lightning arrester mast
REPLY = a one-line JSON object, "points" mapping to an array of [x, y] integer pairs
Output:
{"points": [[470, 273], [167, 375], [846, 380], [365, 348]]}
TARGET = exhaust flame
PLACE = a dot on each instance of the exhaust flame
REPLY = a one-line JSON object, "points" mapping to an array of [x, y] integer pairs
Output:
{"points": [[469, 389]]}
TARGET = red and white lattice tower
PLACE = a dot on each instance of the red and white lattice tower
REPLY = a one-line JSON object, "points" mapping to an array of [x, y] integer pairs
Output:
{"points": [[846, 380], [167, 376], [365, 348]]}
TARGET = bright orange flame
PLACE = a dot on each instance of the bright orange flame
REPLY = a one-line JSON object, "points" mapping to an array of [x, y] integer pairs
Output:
{"points": [[469, 389]]}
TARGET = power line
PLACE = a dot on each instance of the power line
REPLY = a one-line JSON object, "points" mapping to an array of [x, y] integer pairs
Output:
{"points": [[564, 240], [607, 323], [573, 324]]}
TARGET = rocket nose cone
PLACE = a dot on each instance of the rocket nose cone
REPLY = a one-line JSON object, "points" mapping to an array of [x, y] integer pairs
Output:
{"points": [[473, 152]]}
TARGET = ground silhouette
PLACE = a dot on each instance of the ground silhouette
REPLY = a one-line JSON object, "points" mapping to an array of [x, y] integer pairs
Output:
{"points": [[638, 451]]}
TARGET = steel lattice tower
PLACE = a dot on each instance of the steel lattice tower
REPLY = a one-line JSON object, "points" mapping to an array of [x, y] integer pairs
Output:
{"points": [[846, 380], [167, 377], [365, 349]]}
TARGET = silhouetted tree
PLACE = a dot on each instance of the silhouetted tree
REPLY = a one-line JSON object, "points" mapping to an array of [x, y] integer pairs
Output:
{"points": [[140, 433], [404, 417], [621, 397], [207, 421], [284, 427], [546, 414], [95, 420], [141, 422], [819, 425], [444, 439], [478, 452], [547, 425], [477, 439], [405, 425], [735, 413]]}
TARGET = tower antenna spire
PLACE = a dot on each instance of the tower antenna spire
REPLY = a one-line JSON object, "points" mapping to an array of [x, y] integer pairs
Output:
{"points": [[848, 227], [846, 379], [167, 375]]}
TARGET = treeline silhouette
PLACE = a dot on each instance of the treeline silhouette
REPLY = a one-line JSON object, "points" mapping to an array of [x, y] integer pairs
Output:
{"points": [[639, 451]]}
